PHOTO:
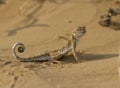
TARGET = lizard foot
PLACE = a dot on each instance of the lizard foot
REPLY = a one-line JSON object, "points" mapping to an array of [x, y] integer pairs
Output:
{"points": [[54, 62], [79, 61]]}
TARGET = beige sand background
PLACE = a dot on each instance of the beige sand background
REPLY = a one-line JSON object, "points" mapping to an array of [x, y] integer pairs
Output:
{"points": [[36, 24]]}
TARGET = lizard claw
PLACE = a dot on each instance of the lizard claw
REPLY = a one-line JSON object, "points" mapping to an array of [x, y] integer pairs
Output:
{"points": [[80, 61], [55, 62]]}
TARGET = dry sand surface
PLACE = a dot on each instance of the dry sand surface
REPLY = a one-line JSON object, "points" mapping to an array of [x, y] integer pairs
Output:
{"points": [[37, 22]]}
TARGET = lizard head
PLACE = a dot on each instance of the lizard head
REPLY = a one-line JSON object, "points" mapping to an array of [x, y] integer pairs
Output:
{"points": [[79, 32], [105, 19]]}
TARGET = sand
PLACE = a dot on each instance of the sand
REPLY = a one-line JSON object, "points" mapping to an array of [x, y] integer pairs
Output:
{"points": [[36, 24]]}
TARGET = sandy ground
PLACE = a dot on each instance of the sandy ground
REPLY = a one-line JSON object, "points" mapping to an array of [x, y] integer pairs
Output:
{"points": [[37, 22]]}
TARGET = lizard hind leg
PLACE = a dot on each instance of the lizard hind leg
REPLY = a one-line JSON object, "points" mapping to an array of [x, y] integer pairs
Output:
{"points": [[53, 62]]}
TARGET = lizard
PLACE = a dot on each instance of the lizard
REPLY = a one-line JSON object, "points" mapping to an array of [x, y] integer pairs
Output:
{"points": [[105, 19], [56, 54]]}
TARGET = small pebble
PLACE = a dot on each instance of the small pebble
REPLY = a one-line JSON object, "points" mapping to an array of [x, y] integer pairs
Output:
{"points": [[70, 21]]}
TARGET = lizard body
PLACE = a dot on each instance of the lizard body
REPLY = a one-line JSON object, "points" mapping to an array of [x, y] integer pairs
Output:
{"points": [[56, 54]]}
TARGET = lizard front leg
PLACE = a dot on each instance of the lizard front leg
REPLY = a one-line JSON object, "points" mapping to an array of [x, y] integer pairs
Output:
{"points": [[74, 45], [62, 37], [75, 55], [55, 55]]}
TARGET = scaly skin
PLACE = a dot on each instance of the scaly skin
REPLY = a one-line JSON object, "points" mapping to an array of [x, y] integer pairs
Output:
{"points": [[56, 54], [105, 19]]}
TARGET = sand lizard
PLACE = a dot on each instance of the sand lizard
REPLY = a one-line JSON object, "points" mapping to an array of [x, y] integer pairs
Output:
{"points": [[56, 54], [105, 19]]}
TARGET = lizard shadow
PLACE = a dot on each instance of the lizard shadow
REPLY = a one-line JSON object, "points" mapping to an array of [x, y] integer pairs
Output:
{"points": [[115, 26], [88, 57]]}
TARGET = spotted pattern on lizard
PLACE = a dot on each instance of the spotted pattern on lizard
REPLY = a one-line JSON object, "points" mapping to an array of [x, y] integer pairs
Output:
{"points": [[106, 19], [56, 54]]}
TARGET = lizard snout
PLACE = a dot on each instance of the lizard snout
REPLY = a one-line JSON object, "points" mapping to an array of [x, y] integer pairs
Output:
{"points": [[84, 31]]}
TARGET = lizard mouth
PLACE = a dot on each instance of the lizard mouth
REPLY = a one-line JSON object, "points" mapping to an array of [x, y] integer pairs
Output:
{"points": [[84, 31]]}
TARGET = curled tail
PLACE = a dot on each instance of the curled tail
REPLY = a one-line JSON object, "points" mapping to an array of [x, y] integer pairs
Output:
{"points": [[21, 48]]}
